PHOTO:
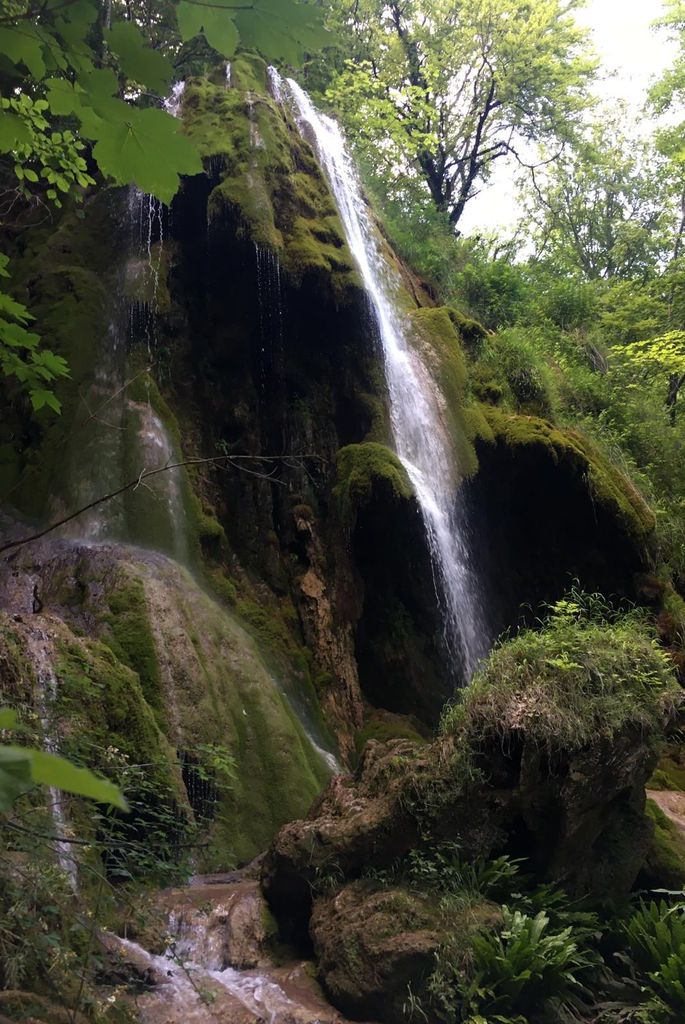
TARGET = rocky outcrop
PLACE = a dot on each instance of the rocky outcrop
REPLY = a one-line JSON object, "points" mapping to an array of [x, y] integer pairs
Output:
{"points": [[373, 947], [545, 768], [147, 665]]}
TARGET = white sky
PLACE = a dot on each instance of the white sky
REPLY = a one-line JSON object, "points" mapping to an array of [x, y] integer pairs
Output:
{"points": [[628, 47]]}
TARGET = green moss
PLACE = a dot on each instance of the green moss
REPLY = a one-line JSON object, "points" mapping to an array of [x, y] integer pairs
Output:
{"points": [[384, 730], [442, 353], [268, 175], [131, 640], [568, 684], [608, 485], [361, 468], [670, 772], [107, 709], [665, 865]]}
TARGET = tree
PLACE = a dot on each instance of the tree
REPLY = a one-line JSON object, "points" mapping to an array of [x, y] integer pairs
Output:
{"points": [[667, 95], [438, 91], [603, 210], [81, 77], [660, 358]]}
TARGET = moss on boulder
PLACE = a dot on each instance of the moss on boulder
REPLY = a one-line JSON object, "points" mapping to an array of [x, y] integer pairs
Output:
{"points": [[607, 484], [267, 175], [361, 469], [665, 864], [436, 331]]}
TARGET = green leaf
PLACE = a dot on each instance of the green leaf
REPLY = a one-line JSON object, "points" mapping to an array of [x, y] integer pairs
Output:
{"points": [[8, 718], [138, 61], [40, 397], [52, 770], [13, 132], [148, 149], [217, 25], [280, 29], [15, 774], [24, 46]]}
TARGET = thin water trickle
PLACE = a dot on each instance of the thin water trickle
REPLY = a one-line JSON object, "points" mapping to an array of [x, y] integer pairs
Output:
{"points": [[421, 438], [172, 104], [41, 655]]}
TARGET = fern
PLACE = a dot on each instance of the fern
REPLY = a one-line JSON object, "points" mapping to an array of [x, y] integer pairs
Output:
{"points": [[656, 937], [525, 966]]}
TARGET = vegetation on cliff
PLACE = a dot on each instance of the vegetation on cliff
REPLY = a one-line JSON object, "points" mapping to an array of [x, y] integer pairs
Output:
{"points": [[191, 644]]}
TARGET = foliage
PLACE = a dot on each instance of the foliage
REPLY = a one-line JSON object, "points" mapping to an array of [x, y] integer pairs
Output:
{"points": [[436, 93], [20, 356], [525, 966], [662, 357], [22, 768], [587, 672], [600, 209], [656, 939]]}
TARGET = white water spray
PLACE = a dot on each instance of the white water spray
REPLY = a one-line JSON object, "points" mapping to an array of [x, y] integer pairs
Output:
{"points": [[421, 438], [42, 656], [172, 104]]}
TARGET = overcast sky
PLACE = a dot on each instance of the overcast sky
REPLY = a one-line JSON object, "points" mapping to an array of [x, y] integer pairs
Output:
{"points": [[626, 45]]}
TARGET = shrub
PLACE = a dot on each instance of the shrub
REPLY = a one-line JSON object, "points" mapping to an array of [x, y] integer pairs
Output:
{"points": [[587, 673], [656, 939], [525, 966]]}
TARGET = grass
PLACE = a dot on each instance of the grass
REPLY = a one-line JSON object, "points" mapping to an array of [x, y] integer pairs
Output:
{"points": [[587, 673]]}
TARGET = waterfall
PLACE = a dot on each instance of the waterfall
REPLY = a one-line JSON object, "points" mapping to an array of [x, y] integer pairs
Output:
{"points": [[172, 104], [420, 436], [41, 655]]}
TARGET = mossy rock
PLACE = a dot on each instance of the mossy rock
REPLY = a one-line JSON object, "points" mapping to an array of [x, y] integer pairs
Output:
{"points": [[606, 483], [665, 864], [268, 175], [436, 330], [130, 637], [670, 771], [384, 726], [361, 468]]}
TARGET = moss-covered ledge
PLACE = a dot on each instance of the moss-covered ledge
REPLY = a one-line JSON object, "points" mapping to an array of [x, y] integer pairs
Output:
{"points": [[607, 485], [266, 174], [362, 470]]}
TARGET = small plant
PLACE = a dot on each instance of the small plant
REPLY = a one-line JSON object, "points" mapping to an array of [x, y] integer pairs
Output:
{"points": [[656, 939], [524, 967]]}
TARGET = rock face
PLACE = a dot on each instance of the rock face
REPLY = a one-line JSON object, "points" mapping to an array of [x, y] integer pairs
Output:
{"points": [[144, 662], [572, 806], [374, 947]]}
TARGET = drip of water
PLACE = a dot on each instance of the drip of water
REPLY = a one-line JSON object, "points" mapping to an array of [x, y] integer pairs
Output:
{"points": [[270, 312], [41, 656], [420, 435], [275, 83], [172, 104]]}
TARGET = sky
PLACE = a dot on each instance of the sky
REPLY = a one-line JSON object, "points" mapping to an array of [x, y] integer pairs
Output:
{"points": [[627, 46]]}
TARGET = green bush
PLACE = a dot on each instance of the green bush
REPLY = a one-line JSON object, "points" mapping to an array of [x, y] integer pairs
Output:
{"points": [[656, 940], [526, 966], [587, 672]]}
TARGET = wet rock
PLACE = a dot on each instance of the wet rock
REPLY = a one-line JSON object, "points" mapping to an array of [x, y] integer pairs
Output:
{"points": [[220, 925], [373, 948]]}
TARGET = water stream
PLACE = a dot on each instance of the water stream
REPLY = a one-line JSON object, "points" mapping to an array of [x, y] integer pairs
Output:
{"points": [[42, 657], [420, 434], [215, 968]]}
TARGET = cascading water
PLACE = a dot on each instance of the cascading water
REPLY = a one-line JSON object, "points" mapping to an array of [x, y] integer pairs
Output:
{"points": [[195, 980], [172, 104], [42, 656], [420, 435]]}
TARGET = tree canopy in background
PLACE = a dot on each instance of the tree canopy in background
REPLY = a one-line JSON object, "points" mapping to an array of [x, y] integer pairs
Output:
{"points": [[436, 92], [602, 208]]}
